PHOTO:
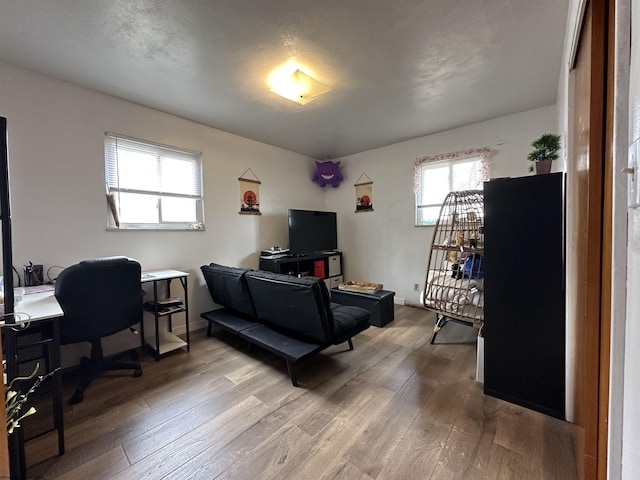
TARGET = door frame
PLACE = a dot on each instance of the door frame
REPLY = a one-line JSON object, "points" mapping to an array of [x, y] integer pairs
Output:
{"points": [[602, 245]]}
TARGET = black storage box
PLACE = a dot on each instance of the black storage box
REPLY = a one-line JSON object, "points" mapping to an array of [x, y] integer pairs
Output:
{"points": [[379, 304]]}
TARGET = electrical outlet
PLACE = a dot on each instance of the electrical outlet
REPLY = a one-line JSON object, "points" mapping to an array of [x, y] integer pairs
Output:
{"points": [[416, 287]]}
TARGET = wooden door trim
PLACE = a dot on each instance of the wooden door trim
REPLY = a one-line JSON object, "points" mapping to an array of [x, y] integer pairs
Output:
{"points": [[598, 301], [607, 247], [593, 313]]}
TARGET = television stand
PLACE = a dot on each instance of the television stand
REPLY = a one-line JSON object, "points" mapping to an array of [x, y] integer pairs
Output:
{"points": [[324, 265]]}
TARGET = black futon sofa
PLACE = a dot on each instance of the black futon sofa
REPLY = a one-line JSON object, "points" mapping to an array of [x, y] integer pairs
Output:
{"points": [[289, 316]]}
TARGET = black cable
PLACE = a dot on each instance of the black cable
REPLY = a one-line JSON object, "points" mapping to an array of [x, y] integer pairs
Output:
{"points": [[18, 275], [52, 280]]}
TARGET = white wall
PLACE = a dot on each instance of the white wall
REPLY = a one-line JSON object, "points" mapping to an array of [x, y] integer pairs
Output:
{"points": [[619, 254], [59, 208], [384, 246], [56, 158]]}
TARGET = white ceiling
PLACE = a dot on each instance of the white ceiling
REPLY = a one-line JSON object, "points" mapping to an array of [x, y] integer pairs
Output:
{"points": [[399, 69]]}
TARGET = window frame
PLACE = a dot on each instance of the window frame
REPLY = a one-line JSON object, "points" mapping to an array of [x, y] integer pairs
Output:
{"points": [[164, 155], [423, 165]]}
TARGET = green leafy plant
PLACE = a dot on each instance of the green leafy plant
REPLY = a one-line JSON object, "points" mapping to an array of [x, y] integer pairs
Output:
{"points": [[545, 147]]}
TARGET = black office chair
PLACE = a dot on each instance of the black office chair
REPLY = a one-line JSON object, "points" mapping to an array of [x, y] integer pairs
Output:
{"points": [[99, 297]]}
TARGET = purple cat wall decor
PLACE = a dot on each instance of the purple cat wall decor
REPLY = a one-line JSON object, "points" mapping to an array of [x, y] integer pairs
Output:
{"points": [[327, 173]]}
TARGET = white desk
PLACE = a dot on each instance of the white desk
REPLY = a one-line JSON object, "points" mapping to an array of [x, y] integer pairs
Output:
{"points": [[156, 275], [32, 312], [43, 305], [163, 341], [38, 306]]}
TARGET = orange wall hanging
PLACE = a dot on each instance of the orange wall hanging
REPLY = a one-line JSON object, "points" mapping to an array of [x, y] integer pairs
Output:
{"points": [[249, 194], [364, 194]]}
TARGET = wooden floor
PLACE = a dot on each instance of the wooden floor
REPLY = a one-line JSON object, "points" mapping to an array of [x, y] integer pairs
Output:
{"points": [[394, 408]]}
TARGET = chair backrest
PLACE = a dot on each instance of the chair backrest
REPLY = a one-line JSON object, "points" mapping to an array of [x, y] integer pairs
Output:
{"points": [[99, 297]]}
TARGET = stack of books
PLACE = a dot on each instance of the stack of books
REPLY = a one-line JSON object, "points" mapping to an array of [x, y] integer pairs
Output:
{"points": [[165, 305]]}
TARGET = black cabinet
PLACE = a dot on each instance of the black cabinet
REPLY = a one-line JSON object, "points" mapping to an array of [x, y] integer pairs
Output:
{"points": [[325, 265], [524, 327], [38, 349]]}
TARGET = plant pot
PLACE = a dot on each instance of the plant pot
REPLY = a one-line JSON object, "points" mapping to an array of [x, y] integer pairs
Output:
{"points": [[543, 166]]}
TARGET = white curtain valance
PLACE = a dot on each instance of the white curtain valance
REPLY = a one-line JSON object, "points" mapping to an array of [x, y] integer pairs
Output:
{"points": [[483, 153]]}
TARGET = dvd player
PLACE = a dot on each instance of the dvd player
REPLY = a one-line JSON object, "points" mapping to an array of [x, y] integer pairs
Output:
{"points": [[274, 251]]}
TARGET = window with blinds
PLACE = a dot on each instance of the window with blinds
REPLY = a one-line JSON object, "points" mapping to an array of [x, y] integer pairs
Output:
{"points": [[437, 179], [152, 186]]}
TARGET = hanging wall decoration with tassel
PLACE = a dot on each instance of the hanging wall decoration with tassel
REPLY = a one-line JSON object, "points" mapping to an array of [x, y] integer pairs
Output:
{"points": [[364, 196], [249, 194]]}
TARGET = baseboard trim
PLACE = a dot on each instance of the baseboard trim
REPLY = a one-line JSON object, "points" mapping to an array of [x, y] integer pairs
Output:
{"points": [[197, 325]]}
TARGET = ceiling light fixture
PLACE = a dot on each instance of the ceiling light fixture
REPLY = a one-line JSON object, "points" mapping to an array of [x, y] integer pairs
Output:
{"points": [[290, 82]]}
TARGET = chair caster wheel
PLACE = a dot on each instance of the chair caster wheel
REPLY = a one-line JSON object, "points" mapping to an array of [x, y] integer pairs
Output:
{"points": [[77, 397], [137, 373]]}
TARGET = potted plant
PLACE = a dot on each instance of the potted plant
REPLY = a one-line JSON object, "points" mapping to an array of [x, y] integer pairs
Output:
{"points": [[545, 151]]}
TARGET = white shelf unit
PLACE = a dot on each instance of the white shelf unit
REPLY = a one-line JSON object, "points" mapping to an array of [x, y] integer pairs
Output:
{"points": [[168, 342], [163, 340]]}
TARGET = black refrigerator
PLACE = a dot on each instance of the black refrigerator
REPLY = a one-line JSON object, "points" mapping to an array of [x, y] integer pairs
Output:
{"points": [[524, 327]]}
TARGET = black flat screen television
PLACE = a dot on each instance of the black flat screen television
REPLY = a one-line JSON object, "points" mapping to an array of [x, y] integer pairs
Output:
{"points": [[312, 231]]}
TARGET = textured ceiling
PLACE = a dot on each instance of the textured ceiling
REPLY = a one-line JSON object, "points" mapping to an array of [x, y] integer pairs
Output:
{"points": [[399, 69]]}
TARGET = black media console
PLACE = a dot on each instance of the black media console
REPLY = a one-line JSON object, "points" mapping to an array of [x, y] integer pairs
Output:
{"points": [[325, 265]]}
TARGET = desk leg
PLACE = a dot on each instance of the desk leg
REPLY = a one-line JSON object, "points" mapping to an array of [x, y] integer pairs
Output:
{"points": [[155, 318], [142, 341], [169, 322], [183, 280], [17, 461], [57, 386]]}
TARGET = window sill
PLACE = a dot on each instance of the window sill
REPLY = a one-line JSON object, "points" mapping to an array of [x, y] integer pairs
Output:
{"points": [[151, 229]]}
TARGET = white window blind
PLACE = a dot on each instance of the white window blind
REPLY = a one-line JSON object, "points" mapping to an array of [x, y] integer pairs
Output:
{"points": [[154, 186], [436, 179]]}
